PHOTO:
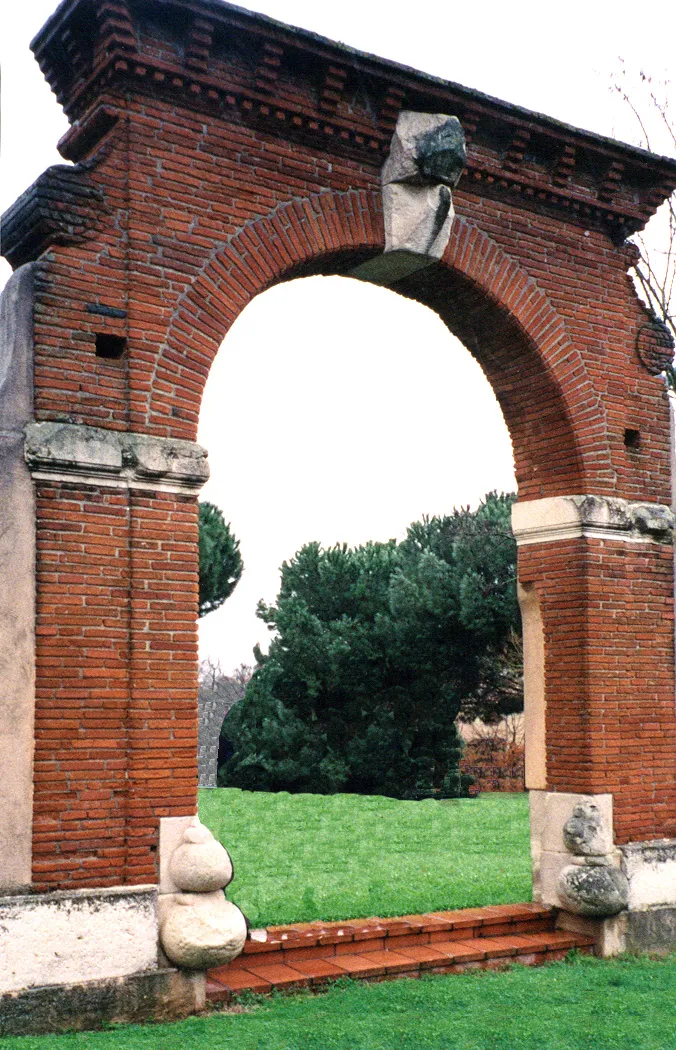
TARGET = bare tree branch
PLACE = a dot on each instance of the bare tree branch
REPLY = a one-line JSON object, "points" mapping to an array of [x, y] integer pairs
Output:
{"points": [[655, 268]]}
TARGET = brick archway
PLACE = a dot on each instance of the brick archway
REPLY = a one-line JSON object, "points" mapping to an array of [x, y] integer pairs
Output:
{"points": [[217, 153], [329, 233]]}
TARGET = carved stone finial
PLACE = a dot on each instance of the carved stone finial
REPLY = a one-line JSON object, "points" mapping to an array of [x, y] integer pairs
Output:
{"points": [[584, 833], [200, 864], [199, 928]]}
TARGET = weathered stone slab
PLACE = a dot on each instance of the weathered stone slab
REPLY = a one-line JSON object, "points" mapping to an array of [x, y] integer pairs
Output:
{"points": [[155, 995], [651, 930], [67, 937], [651, 870]]}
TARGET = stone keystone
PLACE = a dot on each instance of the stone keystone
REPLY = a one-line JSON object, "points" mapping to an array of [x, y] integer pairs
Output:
{"points": [[426, 160]]}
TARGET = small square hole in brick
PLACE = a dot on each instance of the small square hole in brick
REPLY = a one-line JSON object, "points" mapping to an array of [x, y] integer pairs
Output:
{"points": [[110, 347], [632, 438]]}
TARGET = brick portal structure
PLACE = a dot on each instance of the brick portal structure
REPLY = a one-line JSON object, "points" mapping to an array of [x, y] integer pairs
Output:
{"points": [[216, 153]]}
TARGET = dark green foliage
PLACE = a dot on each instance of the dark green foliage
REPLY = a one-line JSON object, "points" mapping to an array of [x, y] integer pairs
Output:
{"points": [[375, 650], [220, 561]]}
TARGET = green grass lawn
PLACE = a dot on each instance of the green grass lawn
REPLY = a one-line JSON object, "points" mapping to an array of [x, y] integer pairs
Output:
{"points": [[304, 857], [625, 1004]]}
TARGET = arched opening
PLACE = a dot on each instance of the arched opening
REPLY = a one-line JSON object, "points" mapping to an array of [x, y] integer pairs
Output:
{"points": [[340, 412], [483, 297]]}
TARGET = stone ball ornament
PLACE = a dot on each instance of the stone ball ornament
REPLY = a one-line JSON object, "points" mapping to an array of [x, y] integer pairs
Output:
{"points": [[200, 864], [200, 930], [593, 889]]}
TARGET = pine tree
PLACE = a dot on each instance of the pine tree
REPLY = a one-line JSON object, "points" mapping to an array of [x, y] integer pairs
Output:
{"points": [[375, 650], [220, 561]]}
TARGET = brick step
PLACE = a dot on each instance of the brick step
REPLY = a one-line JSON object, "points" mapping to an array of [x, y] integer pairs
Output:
{"points": [[310, 954]]}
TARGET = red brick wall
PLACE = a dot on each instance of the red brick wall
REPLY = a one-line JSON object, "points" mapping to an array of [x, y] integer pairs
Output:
{"points": [[163, 699], [116, 728], [607, 610], [82, 687], [218, 212], [200, 214]]}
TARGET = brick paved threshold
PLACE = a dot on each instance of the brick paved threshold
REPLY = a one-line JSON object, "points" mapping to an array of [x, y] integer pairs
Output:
{"points": [[308, 955]]}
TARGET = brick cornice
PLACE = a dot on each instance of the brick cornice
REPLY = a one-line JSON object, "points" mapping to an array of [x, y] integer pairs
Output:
{"points": [[248, 68]]}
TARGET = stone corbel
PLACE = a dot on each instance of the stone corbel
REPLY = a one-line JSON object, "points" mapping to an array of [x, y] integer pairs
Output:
{"points": [[426, 160]]}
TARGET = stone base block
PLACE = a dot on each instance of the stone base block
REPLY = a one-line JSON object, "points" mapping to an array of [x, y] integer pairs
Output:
{"points": [[651, 870], [653, 930], [70, 936], [158, 995], [609, 933], [549, 813], [650, 931]]}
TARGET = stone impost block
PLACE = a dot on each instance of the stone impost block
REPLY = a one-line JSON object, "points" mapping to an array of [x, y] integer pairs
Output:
{"points": [[117, 459], [600, 517]]}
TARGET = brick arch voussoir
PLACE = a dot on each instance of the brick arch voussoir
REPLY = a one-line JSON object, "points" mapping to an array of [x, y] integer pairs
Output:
{"points": [[476, 255], [297, 233], [301, 233]]}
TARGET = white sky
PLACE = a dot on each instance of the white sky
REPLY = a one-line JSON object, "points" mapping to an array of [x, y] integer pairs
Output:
{"points": [[338, 411]]}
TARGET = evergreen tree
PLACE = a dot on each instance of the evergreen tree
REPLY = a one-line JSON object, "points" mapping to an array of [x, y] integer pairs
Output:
{"points": [[221, 563], [375, 650]]}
